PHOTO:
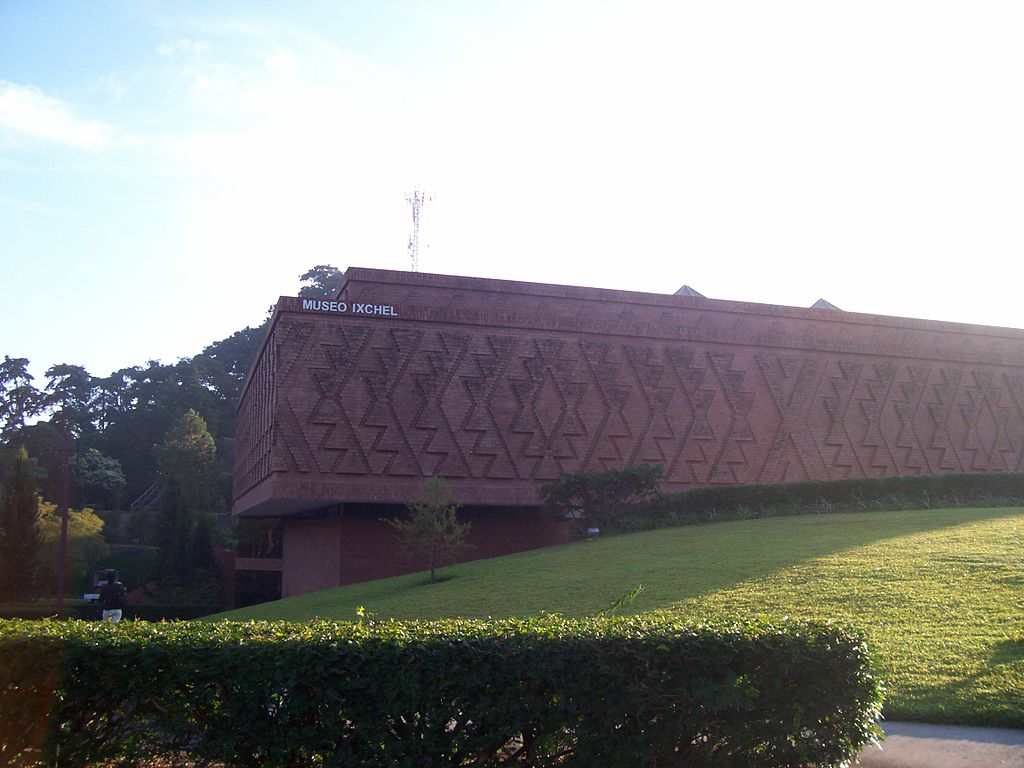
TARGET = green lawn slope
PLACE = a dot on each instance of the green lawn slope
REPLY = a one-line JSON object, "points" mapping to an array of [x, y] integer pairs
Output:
{"points": [[939, 593]]}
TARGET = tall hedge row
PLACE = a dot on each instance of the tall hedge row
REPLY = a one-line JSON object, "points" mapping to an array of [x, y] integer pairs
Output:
{"points": [[723, 502], [540, 692]]}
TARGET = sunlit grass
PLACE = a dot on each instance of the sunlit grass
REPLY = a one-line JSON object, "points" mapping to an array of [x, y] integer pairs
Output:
{"points": [[944, 608], [940, 594]]}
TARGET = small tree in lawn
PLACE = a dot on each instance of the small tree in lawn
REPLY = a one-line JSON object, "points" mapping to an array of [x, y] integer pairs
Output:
{"points": [[432, 531]]}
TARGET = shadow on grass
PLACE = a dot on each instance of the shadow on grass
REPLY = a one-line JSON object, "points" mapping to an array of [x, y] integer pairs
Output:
{"points": [[714, 557], [583, 578], [971, 700], [1009, 651]]}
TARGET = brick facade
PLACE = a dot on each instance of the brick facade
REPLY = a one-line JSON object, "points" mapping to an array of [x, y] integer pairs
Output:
{"points": [[499, 386]]}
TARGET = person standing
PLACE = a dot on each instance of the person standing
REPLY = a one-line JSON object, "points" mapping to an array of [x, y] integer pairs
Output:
{"points": [[113, 598]]}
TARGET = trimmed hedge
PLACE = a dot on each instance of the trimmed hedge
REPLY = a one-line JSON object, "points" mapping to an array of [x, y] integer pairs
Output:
{"points": [[539, 692], [731, 502]]}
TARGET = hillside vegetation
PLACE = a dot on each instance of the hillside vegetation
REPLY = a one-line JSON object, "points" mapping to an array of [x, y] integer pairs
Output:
{"points": [[939, 593]]}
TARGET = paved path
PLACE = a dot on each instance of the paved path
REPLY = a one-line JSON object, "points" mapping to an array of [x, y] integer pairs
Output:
{"points": [[916, 745]]}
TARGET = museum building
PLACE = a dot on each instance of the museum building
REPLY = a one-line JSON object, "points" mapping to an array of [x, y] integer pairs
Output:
{"points": [[499, 386]]}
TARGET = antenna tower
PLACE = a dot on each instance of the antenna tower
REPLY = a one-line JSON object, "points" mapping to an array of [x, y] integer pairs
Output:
{"points": [[416, 199]]}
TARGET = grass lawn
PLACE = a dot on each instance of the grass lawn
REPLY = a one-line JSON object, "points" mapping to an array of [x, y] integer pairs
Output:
{"points": [[940, 594]]}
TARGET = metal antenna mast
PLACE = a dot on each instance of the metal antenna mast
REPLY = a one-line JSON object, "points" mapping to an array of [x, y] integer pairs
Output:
{"points": [[416, 199]]}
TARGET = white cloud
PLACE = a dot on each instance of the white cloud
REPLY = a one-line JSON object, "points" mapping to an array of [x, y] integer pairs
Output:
{"points": [[182, 45], [26, 109], [677, 141], [112, 84], [281, 63]]}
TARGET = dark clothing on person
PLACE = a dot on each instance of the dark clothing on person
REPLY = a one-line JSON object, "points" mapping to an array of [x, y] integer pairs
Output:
{"points": [[113, 596]]}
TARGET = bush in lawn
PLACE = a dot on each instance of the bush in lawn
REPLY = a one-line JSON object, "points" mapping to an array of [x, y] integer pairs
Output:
{"points": [[603, 497], [731, 502], [548, 691]]}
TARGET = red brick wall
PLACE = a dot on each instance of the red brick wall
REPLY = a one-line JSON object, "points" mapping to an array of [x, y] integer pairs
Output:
{"points": [[312, 556], [333, 551], [225, 560], [499, 386]]}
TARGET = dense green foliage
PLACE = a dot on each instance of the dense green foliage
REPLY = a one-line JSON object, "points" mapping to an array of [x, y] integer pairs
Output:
{"points": [[432, 531], [19, 400], [127, 414], [99, 479], [175, 523], [541, 692], [67, 397], [603, 497], [320, 282], [188, 460], [30, 536], [20, 539], [136, 564], [732, 502], [85, 547], [936, 592], [188, 456], [120, 425]]}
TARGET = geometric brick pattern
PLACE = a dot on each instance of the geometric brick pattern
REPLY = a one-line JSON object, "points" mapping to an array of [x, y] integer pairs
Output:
{"points": [[499, 386]]}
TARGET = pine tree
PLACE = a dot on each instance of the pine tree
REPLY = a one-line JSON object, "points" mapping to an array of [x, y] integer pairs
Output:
{"points": [[20, 539], [189, 455], [188, 466], [175, 533], [202, 543]]}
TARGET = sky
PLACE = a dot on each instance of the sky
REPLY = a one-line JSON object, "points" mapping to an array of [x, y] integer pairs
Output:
{"points": [[168, 169]]}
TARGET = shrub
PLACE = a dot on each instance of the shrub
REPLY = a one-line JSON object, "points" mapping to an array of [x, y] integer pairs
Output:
{"points": [[136, 564], [731, 502], [603, 497], [548, 691]]}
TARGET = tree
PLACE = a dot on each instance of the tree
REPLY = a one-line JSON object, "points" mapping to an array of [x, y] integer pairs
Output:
{"points": [[225, 364], [202, 542], [188, 467], [432, 530], [43, 441], [320, 282], [99, 479], [19, 400], [175, 534], [69, 395], [20, 539], [86, 545], [142, 403], [113, 397], [602, 497], [188, 455]]}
